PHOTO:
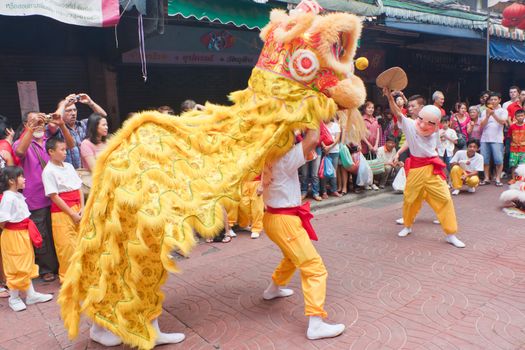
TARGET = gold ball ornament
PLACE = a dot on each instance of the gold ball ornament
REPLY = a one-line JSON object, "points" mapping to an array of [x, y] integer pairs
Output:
{"points": [[361, 63]]}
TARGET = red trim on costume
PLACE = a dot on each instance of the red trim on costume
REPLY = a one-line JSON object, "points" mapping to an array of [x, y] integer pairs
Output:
{"points": [[419, 162], [303, 212], [29, 225], [71, 198]]}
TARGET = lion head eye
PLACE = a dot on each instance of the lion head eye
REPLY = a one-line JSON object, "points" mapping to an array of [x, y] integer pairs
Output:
{"points": [[339, 47]]}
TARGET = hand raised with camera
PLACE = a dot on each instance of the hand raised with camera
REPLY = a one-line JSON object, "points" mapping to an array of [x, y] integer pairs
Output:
{"points": [[84, 98]]}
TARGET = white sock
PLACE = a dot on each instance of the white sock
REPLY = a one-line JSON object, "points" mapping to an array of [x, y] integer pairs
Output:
{"points": [[103, 336], [454, 240], [14, 293], [166, 338], [31, 291], [405, 232], [274, 291], [318, 329]]}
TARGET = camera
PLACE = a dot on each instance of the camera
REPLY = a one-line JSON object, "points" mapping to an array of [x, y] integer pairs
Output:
{"points": [[48, 118]]}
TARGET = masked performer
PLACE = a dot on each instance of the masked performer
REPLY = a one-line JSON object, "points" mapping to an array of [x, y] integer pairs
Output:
{"points": [[426, 179], [160, 178]]}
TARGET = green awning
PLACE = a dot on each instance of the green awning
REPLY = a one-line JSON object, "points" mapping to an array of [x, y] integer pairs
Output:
{"points": [[424, 13], [237, 12], [360, 8]]}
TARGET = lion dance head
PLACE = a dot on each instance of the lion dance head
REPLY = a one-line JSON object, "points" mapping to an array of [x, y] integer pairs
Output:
{"points": [[316, 51]]}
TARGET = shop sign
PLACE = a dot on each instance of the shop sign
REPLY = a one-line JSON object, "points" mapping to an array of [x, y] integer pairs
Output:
{"points": [[90, 13]]}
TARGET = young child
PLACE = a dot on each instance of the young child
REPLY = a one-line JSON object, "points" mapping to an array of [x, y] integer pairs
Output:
{"points": [[448, 138], [251, 207], [387, 154], [62, 185], [465, 167], [18, 257], [517, 140]]}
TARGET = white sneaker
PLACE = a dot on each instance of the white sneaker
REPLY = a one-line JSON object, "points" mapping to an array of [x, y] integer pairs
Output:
{"points": [[232, 234], [471, 189], [452, 239], [255, 235], [103, 336], [400, 221], [36, 298], [405, 232], [455, 192], [317, 329], [374, 187], [436, 222], [273, 291], [16, 304], [166, 338], [368, 187]]}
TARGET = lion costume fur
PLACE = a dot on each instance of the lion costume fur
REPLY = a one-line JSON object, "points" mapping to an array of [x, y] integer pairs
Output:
{"points": [[162, 178]]}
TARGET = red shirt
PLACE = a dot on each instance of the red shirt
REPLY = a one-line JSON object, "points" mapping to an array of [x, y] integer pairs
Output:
{"points": [[6, 146], [512, 108], [517, 137]]}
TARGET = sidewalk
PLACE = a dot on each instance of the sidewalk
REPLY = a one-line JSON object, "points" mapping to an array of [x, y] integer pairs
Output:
{"points": [[416, 292]]}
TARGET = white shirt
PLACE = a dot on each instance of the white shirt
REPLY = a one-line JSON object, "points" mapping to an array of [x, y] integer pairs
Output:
{"points": [[445, 145], [281, 187], [506, 104], [384, 156], [13, 207], [493, 131], [334, 129], [419, 146], [474, 164], [59, 179]]}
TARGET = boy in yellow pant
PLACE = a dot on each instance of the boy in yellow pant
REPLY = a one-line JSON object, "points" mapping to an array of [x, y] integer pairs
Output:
{"points": [[62, 185], [285, 223], [466, 165], [251, 208], [426, 179]]}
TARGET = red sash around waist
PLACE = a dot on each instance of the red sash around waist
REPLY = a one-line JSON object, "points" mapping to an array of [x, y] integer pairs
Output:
{"points": [[71, 198], [303, 212], [418, 162], [29, 225]]}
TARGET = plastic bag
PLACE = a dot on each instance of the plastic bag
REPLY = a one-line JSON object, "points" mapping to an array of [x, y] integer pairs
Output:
{"points": [[329, 170], [320, 171], [400, 180], [365, 177], [345, 156]]}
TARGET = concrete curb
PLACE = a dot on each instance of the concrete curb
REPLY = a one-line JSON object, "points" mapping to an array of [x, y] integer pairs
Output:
{"points": [[349, 198]]}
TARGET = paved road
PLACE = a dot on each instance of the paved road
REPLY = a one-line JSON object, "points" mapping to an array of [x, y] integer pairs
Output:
{"points": [[393, 293]]}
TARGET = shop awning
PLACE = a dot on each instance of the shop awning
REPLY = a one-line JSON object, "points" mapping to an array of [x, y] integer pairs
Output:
{"points": [[367, 8], [237, 12], [507, 50], [434, 29], [503, 32], [425, 13]]}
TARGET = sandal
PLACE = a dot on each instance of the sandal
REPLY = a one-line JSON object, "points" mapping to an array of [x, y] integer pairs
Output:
{"points": [[226, 239], [484, 182], [318, 198], [49, 277], [4, 293], [498, 184]]}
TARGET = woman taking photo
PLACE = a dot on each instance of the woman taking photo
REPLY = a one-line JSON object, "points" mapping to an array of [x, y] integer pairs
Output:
{"points": [[460, 122], [95, 143]]}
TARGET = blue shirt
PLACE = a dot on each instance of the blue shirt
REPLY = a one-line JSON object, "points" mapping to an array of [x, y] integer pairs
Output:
{"points": [[79, 133]]}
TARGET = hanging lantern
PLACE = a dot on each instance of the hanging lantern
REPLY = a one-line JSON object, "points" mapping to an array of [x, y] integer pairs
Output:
{"points": [[521, 25], [513, 15]]}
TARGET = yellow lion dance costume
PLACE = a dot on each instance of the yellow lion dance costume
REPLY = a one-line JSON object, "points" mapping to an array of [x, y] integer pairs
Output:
{"points": [[162, 178]]}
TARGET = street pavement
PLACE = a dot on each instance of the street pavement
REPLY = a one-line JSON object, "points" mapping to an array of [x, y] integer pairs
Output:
{"points": [[416, 292]]}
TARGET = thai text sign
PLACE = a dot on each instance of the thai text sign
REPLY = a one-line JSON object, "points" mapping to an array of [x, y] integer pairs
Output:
{"points": [[90, 13]]}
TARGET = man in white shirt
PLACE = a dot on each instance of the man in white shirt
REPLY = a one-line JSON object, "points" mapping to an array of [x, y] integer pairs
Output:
{"points": [[286, 222], [387, 155], [466, 164], [425, 171], [514, 94], [493, 119]]}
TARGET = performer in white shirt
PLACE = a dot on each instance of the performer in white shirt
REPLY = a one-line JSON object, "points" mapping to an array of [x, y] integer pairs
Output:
{"points": [[466, 165], [287, 224], [426, 179]]}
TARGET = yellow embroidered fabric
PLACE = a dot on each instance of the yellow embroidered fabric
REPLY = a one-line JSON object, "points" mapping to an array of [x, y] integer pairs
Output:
{"points": [[160, 178]]}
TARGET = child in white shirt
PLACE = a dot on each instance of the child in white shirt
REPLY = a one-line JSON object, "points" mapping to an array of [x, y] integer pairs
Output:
{"points": [[448, 139]]}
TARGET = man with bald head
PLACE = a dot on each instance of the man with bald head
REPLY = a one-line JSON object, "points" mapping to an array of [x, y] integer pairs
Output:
{"points": [[426, 179]]}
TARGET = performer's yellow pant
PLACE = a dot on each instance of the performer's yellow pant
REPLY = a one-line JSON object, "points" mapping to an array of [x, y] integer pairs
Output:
{"points": [[457, 182], [421, 185], [65, 234], [251, 207], [18, 259], [232, 210], [299, 253]]}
